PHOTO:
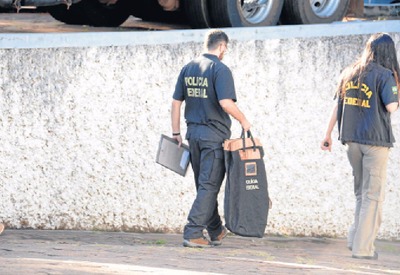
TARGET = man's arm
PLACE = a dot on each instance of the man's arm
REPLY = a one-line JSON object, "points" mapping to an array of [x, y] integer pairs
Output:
{"points": [[176, 119], [232, 109]]}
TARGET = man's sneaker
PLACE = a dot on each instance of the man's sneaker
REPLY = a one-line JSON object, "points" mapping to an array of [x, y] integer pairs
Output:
{"points": [[218, 240], [197, 243], [1, 228]]}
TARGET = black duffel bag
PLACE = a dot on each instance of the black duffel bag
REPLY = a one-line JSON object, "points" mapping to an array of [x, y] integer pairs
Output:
{"points": [[246, 201]]}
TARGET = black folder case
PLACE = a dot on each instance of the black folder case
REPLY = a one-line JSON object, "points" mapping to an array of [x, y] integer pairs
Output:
{"points": [[173, 157]]}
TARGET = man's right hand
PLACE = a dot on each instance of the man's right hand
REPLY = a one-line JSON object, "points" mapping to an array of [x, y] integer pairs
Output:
{"points": [[245, 125]]}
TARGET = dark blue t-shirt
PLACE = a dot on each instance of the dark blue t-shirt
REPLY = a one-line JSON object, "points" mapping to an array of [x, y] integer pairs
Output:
{"points": [[365, 119], [202, 84]]}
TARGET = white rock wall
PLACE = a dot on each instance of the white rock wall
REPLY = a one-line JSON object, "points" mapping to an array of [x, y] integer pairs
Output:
{"points": [[79, 130]]}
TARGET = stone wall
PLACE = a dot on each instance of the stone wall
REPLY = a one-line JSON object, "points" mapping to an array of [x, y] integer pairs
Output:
{"points": [[80, 126]]}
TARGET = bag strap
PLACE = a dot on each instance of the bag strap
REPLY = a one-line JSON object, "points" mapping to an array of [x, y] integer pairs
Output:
{"points": [[249, 135]]}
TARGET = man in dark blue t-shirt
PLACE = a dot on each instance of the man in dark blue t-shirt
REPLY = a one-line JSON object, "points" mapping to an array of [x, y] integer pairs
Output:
{"points": [[207, 87]]}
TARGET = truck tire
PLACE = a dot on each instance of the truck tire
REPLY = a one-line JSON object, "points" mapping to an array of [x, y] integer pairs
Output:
{"points": [[245, 13], [197, 13], [313, 11], [92, 13]]}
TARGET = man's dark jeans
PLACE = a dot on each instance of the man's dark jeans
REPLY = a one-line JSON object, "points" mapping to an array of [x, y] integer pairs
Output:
{"points": [[207, 159]]}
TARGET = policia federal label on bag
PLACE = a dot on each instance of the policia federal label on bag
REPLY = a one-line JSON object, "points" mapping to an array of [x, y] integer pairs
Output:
{"points": [[246, 202]]}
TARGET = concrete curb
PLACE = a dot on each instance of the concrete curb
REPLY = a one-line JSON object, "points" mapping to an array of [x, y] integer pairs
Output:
{"points": [[104, 39]]}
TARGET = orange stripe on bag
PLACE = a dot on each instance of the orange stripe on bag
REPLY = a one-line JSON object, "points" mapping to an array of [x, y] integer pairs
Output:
{"points": [[249, 152]]}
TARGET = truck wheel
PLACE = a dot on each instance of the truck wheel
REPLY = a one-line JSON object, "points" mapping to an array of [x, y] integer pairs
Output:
{"points": [[72, 16], [313, 11], [197, 13], [245, 13]]}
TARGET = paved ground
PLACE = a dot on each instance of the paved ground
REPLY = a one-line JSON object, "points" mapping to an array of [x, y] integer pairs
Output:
{"points": [[83, 252]]}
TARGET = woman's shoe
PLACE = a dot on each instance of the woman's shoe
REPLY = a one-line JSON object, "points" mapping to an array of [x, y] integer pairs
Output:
{"points": [[375, 257]]}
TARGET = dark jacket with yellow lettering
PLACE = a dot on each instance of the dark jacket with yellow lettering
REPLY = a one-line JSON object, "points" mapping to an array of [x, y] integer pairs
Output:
{"points": [[362, 115], [202, 83]]}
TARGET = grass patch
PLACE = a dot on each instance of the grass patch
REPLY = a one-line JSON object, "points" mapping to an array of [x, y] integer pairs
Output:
{"points": [[157, 242]]}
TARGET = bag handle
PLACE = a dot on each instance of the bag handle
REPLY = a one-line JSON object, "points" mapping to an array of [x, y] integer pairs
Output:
{"points": [[249, 135]]}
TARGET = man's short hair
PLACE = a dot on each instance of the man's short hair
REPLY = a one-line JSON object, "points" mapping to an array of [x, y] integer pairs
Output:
{"points": [[213, 38]]}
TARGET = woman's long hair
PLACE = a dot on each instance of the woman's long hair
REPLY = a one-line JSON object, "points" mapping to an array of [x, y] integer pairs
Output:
{"points": [[379, 49]]}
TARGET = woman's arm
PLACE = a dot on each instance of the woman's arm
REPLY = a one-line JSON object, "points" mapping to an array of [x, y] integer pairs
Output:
{"points": [[392, 107], [326, 143]]}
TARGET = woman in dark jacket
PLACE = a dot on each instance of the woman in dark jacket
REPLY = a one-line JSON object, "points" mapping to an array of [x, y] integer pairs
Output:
{"points": [[366, 96]]}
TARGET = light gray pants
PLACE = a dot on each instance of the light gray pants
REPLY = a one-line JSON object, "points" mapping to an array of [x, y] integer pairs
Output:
{"points": [[369, 170]]}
